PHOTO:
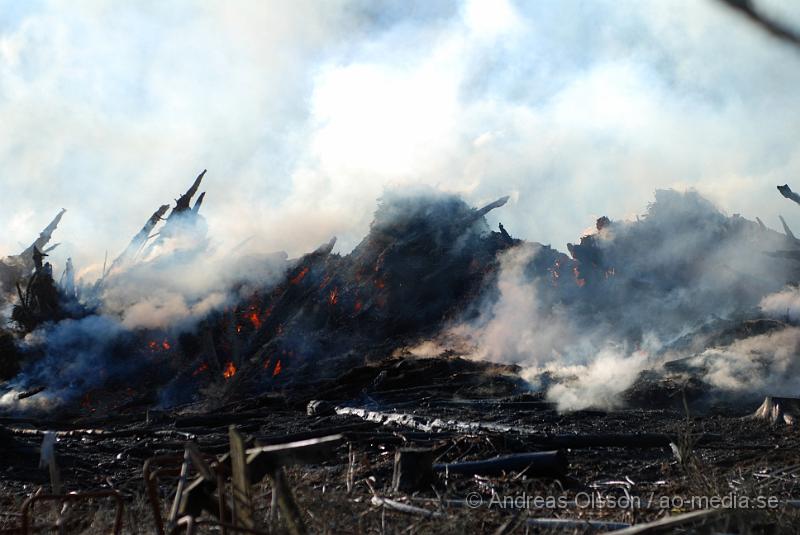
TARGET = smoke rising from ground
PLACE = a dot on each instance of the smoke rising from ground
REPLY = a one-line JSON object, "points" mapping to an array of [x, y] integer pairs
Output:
{"points": [[639, 289]]}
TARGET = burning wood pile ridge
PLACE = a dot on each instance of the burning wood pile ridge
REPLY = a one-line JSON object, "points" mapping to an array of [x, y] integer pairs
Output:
{"points": [[427, 377]]}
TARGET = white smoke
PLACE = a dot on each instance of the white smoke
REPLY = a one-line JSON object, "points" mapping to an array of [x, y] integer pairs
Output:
{"points": [[783, 305], [518, 330], [598, 383], [766, 364], [303, 113], [662, 276]]}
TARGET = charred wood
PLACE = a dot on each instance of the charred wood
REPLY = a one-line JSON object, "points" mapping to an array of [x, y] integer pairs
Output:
{"points": [[138, 242], [538, 464], [777, 410], [413, 469]]}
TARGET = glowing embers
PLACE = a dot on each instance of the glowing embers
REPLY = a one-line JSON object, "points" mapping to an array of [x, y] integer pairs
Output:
{"points": [[200, 369], [580, 281], [555, 272], [155, 345], [230, 370], [254, 319], [297, 279], [333, 296], [275, 371]]}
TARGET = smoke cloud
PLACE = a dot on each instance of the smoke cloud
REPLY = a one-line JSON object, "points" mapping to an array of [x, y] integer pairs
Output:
{"points": [[304, 112], [637, 295]]}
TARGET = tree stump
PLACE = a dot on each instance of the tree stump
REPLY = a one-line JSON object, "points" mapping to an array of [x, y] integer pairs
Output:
{"points": [[413, 469], [778, 410]]}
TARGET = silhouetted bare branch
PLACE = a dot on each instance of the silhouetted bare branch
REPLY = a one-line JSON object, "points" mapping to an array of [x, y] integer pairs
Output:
{"points": [[775, 28]]}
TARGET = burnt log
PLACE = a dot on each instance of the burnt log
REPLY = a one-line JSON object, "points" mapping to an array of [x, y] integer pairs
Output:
{"points": [[525, 434], [489, 207]]}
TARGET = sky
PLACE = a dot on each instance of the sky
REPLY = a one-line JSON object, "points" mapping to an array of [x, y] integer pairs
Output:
{"points": [[305, 112]]}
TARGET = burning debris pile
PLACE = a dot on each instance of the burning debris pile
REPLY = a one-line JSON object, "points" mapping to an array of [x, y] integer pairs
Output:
{"points": [[173, 324], [331, 356], [426, 258]]}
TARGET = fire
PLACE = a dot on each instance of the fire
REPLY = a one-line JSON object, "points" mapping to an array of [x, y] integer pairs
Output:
{"points": [[277, 369], [380, 284], [200, 369], [578, 280], [230, 370], [358, 305], [155, 345], [299, 277], [254, 319], [333, 297]]}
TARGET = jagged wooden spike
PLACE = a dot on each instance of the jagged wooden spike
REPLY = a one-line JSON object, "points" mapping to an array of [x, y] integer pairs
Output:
{"points": [[138, 241], [776, 410], [491, 206], [44, 237], [787, 230], [182, 203]]}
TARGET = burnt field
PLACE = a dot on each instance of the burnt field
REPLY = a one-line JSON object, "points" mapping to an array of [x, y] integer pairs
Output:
{"points": [[441, 376], [596, 470]]}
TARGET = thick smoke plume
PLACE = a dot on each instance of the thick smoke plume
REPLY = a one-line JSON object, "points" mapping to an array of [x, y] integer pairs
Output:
{"points": [[635, 295]]}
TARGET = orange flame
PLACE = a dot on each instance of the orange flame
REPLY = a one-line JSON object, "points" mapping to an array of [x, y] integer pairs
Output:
{"points": [[333, 298], [299, 276], [254, 319], [165, 345], [230, 370], [277, 369], [200, 369]]}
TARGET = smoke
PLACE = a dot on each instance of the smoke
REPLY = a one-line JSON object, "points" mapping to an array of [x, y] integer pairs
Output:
{"points": [[761, 365], [516, 329], [634, 291], [597, 383], [76, 356], [784, 304], [303, 113]]}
